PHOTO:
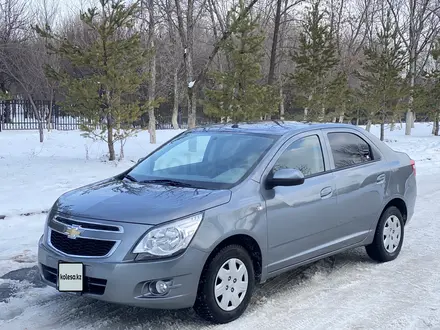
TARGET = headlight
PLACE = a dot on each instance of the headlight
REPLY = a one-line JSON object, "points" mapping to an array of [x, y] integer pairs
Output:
{"points": [[170, 238], [46, 222]]}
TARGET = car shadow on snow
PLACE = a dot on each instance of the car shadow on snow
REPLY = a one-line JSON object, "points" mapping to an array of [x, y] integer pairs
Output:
{"points": [[66, 310]]}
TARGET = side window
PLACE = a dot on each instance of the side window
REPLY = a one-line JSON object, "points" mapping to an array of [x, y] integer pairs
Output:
{"points": [[304, 154], [349, 149]]}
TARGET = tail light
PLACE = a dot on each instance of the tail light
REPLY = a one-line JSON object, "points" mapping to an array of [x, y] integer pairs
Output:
{"points": [[413, 164]]}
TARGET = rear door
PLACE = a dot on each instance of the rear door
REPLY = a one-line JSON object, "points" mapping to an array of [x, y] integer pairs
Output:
{"points": [[361, 181], [302, 219]]}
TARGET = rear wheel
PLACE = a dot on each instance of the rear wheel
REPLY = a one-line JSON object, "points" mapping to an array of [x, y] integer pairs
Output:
{"points": [[388, 238], [226, 285]]}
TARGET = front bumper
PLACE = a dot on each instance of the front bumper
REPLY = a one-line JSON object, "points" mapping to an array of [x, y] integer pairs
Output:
{"points": [[127, 282]]}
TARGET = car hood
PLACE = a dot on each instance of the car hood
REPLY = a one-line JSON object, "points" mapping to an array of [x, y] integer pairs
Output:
{"points": [[124, 201]]}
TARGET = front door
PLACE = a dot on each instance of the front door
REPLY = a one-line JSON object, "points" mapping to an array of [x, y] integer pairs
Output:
{"points": [[301, 219]]}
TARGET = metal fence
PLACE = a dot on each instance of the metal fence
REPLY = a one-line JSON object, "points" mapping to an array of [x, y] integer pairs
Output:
{"points": [[20, 115]]}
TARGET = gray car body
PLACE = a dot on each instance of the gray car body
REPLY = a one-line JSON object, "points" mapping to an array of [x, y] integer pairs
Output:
{"points": [[282, 228]]}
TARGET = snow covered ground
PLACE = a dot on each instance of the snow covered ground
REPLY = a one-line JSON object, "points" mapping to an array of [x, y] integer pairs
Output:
{"points": [[345, 292]]}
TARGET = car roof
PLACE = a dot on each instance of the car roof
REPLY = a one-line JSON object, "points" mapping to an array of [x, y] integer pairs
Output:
{"points": [[270, 127]]}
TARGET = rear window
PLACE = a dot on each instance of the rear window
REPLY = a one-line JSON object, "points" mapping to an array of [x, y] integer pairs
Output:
{"points": [[349, 149]]}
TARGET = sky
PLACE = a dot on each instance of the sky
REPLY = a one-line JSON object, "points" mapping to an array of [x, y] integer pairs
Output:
{"points": [[64, 7]]}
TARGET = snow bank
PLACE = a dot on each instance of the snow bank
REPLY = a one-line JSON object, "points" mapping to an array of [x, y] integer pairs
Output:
{"points": [[34, 174]]}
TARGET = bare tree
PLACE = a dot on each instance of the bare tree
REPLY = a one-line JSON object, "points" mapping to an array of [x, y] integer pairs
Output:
{"points": [[186, 32], [24, 64], [279, 12], [419, 24], [187, 39], [168, 8], [46, 16], [14, 26], [14, 20], [23, 56], [152, 71]]}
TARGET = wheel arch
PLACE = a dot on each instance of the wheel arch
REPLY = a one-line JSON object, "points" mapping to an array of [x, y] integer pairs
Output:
{"points": [[400, 204], [248, 243]]}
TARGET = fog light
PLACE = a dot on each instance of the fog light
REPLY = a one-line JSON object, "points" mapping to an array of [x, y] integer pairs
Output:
{"points": [[159, 287]]}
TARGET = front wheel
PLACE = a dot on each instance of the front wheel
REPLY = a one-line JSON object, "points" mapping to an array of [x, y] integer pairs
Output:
{"points": [[226, 285], [388, 238]]}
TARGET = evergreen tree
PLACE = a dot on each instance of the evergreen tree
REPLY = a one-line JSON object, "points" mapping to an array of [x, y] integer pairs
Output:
{"points": [[5, 96], [238, 93], [340, 98], [382, 87], [102, 80], [315, 61]]}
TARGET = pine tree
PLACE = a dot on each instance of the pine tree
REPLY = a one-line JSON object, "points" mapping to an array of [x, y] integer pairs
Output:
{"points": [[238, 93], [102, 79], [383, 87], [340, 97], [315, 61]]}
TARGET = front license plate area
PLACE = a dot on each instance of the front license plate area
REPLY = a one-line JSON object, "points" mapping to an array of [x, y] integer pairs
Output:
{"points": [[70, 277]]}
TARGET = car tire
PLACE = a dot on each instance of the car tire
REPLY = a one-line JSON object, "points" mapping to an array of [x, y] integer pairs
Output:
{"points": [[217, 308], [388, 238]]}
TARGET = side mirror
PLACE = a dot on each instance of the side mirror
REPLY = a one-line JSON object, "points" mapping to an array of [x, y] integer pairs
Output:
{"points": [[286, 178]]}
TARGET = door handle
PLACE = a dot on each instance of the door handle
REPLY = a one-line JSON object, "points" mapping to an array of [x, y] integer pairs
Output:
{"points": [[326, 192], [380, 179]]}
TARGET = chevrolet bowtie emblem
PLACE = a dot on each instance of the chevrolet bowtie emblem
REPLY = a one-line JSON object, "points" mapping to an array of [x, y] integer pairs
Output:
{"points": [[73, 231]]}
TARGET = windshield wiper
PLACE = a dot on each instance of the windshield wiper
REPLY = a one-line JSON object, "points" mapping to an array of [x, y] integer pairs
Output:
{"points": [[168, 182], [129, 177]]}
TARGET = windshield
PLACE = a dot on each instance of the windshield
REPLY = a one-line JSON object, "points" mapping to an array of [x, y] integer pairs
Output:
{"points": [[211, 160]]}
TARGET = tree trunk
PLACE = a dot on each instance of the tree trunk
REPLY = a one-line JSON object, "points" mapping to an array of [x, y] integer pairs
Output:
{"points": [[282, 109], [110, 143], [306, 113], [121, 153], [408, 122], [341, 118], [413, 119], [176, 55], [382, 131], [334, 120], [322, 117], [39, 118], [152, 125], [273, 53], [49, 116], [152, 84], [368, 127], [192, 110], [306, 109], [40, 130], [176, 100], [437, 124], [187, 38], [412, 65]]}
